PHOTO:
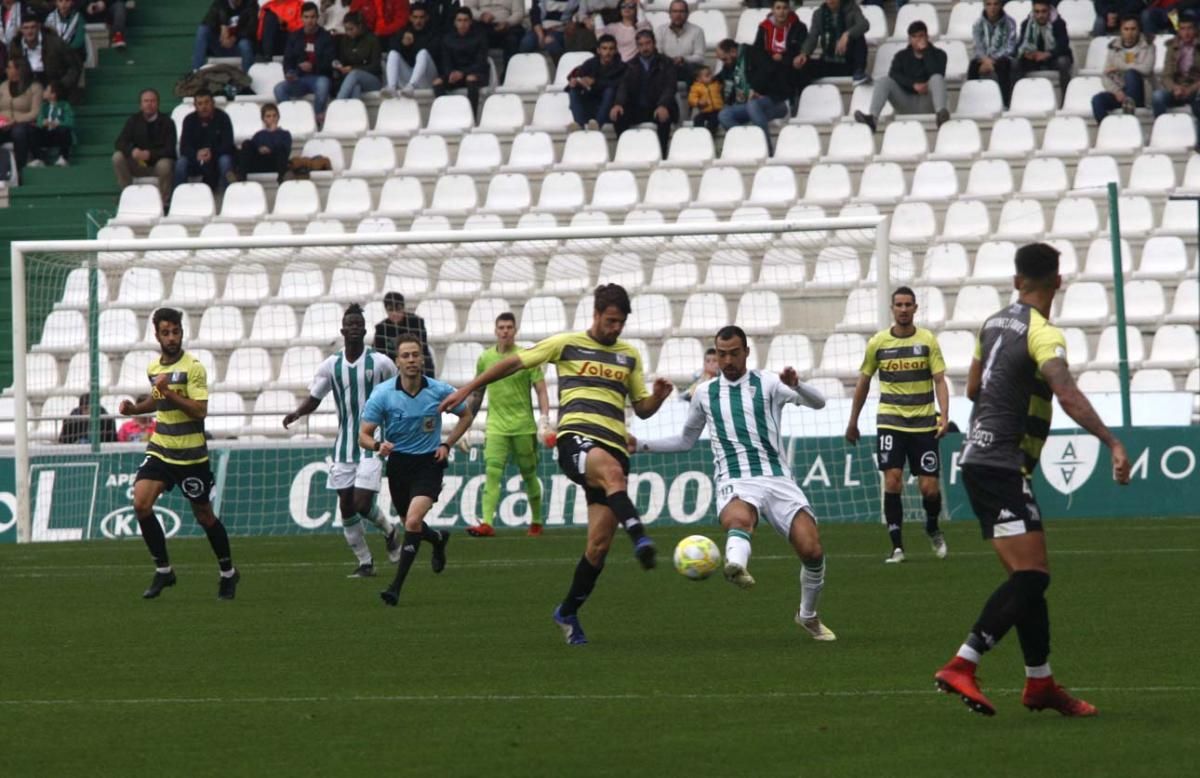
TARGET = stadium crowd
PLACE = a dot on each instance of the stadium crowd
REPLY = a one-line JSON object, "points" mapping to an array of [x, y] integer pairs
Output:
{"points": [[637, 75]]}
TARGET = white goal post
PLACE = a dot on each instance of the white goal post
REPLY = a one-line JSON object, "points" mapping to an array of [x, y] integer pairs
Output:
{"points": [[648, 241]]}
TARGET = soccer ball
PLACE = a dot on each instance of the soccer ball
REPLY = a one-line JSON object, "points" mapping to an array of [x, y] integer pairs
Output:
{"points": [[697, 557]]}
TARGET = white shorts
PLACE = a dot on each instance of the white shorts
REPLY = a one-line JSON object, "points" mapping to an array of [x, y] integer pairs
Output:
{"points": [[776, 499], [366, 474]]}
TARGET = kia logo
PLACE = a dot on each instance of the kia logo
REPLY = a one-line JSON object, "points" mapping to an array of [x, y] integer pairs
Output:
{"points": [[122, 523]]}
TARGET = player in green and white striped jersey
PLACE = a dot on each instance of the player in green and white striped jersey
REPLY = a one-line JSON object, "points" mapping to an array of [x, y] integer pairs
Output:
{"points": [[742, 409], [354, 473]]}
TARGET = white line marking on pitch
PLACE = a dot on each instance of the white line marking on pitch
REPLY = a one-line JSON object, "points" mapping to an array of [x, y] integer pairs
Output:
{"points": [[456, 698]]}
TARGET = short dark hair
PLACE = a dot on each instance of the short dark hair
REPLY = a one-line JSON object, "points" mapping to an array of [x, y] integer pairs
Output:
{"points": [[1189, 19], [606, 38], [355, 18], [417, 7], [645, 34], [732, 331], [409, 337], [1131, 18], [786, 2], [354, 309], [306, 7], [507, 316], [1041, 2], [462, 9], [151, 90], [904, 290], [612, 296], [262, 112], [710, 352], [729, 44], [1037, 261], [916, 27], [169, 315], [202, 92], [393, 300]]}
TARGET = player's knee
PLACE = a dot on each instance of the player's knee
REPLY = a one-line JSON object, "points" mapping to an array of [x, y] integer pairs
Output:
{"points": [[143, 505], [929, 487], [597, 550], [204, 515], [892, 481], [1030, 585]]}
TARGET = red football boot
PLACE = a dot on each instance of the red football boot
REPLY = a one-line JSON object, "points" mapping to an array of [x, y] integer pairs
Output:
{"points": [[958, 677], [1043, 693], [481, 531], [534, 530]]}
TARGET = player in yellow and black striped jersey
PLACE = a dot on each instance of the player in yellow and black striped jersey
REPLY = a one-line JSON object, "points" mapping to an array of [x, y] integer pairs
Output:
{"points": [[911, 375], [597, 373], [1020, 364], [177, 454]]}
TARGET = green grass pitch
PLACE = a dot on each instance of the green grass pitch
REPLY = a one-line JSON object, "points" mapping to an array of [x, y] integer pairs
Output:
{"points": [[307, 673]]}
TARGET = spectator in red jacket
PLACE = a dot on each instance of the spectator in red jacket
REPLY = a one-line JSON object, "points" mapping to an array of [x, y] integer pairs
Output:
{"points": [[383, 17], [277, 19]]}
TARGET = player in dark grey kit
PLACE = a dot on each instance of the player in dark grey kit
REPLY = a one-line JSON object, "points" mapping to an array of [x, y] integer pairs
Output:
{"points": [[1020, 365]]}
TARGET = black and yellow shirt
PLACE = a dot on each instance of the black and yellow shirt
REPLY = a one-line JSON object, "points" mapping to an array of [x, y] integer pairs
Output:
{"points": [[593, 382], [1011, 418], [178, 438], [906, 368]]}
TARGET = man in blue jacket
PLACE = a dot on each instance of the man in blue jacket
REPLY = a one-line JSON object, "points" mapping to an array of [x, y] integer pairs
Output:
{"points": [[308, 62], [206, 145]]}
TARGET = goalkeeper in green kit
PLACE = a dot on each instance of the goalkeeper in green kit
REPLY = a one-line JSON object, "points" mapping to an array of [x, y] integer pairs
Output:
{"points": [[511, 432]]}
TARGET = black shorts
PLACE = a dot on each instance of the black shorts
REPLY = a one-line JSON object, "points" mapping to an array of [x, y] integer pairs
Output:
{"points": [[919, 449], [195, 481], [572, 458], [413, 475], [1002, 500]]}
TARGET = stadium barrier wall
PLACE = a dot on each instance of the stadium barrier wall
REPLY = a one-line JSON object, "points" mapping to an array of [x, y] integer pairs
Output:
{"points": [[88, 496]]}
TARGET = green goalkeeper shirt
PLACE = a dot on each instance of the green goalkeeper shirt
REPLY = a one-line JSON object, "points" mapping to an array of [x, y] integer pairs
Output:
{"points": [[510, 404]]}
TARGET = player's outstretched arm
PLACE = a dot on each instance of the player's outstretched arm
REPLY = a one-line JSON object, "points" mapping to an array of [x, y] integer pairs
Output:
{"points": [[649, 405], [502, 369], [856, 405], [798, 392], [1077, 406], [464, 423], [692, 427], [303, 409], [366, 439]]}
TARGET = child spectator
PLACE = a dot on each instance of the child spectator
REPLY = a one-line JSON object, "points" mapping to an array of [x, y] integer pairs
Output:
{"points": [[705, 99], [55, 128], [269, 150]]}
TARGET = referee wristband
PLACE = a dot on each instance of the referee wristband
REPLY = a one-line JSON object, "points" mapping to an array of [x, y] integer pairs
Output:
{"points": [[447, 445]]}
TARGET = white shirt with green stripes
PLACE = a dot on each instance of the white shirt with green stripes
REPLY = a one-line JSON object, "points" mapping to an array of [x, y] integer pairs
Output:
{"points": [[743, 418], [351, 384]]}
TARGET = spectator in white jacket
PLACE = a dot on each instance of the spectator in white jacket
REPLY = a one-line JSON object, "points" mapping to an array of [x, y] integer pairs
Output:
{"points": [[681, 41]]}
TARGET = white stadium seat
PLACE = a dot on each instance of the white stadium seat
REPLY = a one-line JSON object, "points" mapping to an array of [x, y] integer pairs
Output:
{"points": [[397, 117], [1174, 347], [1107, 353], [249, 369]]}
